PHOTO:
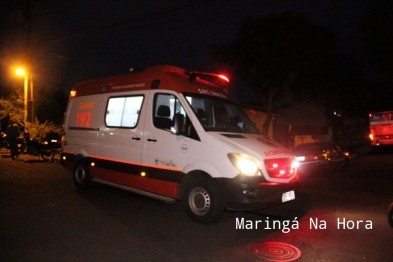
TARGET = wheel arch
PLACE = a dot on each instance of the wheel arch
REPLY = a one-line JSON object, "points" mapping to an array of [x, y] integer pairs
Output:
{"points": [[202, 166], [80, 158], [196, 170], [192, 175], [197, 185]]}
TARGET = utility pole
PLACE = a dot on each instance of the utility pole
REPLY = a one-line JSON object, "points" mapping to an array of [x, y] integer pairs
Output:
{"points": [[22, 16], [29, 61]]}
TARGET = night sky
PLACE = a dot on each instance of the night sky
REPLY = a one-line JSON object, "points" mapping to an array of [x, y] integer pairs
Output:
{"points": [[74, 41]]}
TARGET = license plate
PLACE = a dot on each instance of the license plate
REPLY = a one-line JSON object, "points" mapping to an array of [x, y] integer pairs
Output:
{"points": [[288, 196]]}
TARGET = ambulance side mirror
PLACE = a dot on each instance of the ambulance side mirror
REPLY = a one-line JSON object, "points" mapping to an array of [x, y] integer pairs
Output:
{"points": [[178, 123]]}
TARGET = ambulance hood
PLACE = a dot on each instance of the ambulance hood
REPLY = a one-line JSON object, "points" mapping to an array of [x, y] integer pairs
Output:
{"points": [[258, 146]]}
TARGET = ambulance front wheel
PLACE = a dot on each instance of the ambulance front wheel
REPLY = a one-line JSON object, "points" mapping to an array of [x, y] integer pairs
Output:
{"points": [[81, 176], [203, 201]]}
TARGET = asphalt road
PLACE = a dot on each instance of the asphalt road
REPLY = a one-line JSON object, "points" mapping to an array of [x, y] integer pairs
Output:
{"points": [[44, 218]]}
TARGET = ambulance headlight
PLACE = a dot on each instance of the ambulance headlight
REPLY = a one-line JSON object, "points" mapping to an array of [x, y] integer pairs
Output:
{"points": [[245, 164]]}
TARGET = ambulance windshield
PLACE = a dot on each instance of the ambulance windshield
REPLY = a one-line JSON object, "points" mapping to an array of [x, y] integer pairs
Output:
{"points": [[220, 115]]}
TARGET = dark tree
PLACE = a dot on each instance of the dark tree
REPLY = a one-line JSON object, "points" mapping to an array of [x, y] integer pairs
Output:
{"points": [[350, 90], [279, 52], [377, 28], [50, 106]]}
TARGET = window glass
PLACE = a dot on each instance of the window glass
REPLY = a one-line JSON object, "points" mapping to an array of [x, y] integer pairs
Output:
{"points": [[123, 111], [165, 107], [220, 115]]}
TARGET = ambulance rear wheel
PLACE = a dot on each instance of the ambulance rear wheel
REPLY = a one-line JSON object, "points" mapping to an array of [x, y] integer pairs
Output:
{"points": [[203, 201], [81, 176]]}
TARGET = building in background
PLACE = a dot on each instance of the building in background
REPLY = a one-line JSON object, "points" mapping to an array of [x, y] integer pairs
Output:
{"points": [[311, 123]]}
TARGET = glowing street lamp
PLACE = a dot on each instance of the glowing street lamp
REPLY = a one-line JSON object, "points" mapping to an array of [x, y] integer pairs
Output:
{"points": [[28, 83], [20, 72]]}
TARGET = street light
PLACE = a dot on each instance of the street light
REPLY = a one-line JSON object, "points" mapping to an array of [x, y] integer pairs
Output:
{"points": [[28, 104]]}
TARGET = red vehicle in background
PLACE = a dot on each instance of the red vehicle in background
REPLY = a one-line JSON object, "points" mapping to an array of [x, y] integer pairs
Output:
{"points": [[381, 128]]}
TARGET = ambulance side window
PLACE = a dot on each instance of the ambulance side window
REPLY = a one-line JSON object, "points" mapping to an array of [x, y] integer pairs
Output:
{"points": [[124, 111], [165, 107]]}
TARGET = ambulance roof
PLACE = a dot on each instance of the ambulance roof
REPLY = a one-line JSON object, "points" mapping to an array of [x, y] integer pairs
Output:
{"points": [[165, 77]]}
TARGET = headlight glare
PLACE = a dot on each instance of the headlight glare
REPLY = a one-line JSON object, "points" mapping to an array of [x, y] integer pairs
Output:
{"points": [[245, 164]]}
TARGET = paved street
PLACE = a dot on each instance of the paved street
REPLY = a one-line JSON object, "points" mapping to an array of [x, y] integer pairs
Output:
{"points": [[44, 218]]}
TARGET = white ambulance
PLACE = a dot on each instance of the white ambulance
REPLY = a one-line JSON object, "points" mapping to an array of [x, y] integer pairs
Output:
{"points": [[173, 134]]}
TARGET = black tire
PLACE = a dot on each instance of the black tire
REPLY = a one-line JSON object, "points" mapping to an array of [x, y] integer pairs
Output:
{"points": [[390, 215], [48, 154], [81, 176], [203, 201]]}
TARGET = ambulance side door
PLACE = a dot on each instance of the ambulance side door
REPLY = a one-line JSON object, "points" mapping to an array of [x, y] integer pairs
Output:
{"points": [[164, 153], [121, 138]]}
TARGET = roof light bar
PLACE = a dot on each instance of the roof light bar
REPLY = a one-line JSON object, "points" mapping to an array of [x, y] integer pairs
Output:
{"points": [[194, 74]]}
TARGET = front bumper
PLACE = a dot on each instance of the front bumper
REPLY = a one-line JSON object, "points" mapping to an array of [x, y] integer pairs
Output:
{"points": [[250, 193], [382, 142]]}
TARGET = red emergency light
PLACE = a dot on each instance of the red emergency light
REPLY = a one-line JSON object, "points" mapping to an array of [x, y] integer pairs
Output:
{"points": [[194, 74], [280, 167]]}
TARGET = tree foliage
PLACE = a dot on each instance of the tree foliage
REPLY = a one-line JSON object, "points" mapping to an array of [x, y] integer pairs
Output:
{"points": [[13, 109], [40, 130], [280, 52]]}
